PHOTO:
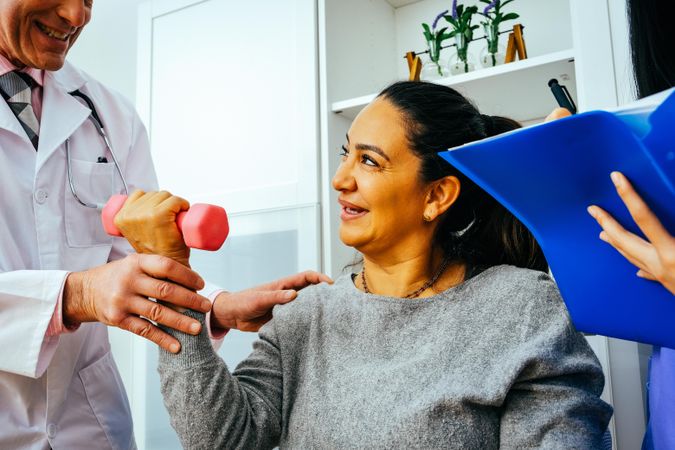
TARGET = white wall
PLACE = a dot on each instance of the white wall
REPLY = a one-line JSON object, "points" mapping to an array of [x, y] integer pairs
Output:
{"points": [[106, 49]]}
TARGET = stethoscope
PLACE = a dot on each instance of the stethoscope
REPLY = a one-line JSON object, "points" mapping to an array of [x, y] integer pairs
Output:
{"points": [[98, 124]]}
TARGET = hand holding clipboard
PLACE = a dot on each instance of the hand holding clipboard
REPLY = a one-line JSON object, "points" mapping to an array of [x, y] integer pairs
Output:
{"points": [[548, 174]]}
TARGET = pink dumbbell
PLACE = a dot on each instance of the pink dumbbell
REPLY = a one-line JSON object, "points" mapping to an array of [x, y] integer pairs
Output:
{"points": [[203, 226]]}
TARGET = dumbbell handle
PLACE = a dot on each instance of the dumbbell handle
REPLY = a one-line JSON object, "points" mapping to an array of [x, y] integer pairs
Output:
{"points": [[203, 226]]}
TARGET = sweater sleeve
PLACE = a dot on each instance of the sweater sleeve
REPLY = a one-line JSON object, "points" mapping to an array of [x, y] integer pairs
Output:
{"points": [[210, 407], [555, 399]]}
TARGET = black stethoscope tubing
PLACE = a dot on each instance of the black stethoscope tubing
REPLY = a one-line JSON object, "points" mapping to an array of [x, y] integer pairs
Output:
{"points": [[98, 124]]}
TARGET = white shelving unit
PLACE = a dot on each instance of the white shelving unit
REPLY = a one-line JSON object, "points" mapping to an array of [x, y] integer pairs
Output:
{"points": [[362, 46], [501, 89]]}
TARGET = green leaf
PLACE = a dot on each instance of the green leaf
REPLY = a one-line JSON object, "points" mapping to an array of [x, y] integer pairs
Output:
{"points": [[510, 16], [427, 32], [504, 3], [451, 20]]}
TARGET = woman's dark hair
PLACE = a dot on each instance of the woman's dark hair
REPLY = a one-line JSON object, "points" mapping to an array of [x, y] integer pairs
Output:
{"points": [[652, 42], [476, 230]]}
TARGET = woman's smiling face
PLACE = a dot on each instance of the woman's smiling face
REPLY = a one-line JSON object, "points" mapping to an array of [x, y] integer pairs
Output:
{"points": [[381, 194]]}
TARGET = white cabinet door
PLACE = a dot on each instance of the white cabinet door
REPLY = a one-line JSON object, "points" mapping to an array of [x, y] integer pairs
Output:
{"points": [[228, 90]]}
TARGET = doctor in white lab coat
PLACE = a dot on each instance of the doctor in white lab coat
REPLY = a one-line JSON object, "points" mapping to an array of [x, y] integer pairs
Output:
{"points": [[62, 279]]}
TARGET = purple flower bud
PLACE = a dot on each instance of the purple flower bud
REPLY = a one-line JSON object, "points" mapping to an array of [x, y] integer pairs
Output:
{"points": [[454, 9], [490, 6], [438, 17]]}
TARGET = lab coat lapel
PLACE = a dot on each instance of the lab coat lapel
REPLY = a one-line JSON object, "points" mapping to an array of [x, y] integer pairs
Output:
{"points": [[62, 114]]}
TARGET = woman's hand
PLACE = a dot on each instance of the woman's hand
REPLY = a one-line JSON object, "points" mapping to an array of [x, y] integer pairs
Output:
{"points": [[655, 257], [557, 113], [250, 309], [148, 222]]}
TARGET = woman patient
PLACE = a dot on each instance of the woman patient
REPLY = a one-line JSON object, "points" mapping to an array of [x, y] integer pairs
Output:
{"points": [[451, 336]]}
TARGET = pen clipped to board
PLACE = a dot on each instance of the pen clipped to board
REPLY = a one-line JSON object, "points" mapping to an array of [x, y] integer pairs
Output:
{"points": [[562, 95]]}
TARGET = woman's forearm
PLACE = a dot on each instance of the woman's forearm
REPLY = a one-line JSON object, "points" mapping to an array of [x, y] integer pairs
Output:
{"points": [[211, 408]]}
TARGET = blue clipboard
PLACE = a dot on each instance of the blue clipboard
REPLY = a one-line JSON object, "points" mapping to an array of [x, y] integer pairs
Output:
{"points": [[547, 176]]}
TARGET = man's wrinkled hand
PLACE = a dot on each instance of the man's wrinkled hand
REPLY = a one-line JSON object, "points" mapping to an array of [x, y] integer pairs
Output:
{"points": [[250, 309], [119, 294]]}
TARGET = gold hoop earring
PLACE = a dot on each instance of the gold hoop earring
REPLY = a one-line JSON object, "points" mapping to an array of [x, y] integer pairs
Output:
{"points": [[427, 218]]}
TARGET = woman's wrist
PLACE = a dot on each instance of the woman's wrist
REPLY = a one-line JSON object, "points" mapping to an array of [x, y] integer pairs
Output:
{"points": [[216, 326]]}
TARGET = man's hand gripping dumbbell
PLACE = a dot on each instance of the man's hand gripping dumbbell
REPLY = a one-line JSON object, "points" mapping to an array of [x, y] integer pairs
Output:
{"points": [[152, 221]]}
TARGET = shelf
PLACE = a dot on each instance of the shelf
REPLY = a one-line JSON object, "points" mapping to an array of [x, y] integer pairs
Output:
{"points": [[501, 90], [400, 3]]}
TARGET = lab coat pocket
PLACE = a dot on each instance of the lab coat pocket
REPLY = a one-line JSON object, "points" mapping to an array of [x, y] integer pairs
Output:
{"points": [[105, 393], [93, 183]]}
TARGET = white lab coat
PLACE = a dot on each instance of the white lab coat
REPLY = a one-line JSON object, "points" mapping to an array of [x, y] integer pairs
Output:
{"points": [[77, 400]]}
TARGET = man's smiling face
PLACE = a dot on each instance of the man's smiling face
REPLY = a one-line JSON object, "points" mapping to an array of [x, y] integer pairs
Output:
{"points": [[39, 33]]}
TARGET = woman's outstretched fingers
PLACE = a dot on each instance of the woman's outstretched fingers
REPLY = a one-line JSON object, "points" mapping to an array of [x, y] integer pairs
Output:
{"points": [[644, 274], [639, 211], [655, 258], [636, 262], [617, 236]]}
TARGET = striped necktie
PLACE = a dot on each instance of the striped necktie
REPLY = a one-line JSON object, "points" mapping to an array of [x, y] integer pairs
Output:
{"points": [[16, 89]]}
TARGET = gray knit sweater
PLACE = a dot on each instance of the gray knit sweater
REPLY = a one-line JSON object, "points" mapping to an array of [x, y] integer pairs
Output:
{"points": [[491, 363]]}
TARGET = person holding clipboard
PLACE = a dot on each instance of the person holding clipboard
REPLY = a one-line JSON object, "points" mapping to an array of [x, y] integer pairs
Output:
{"points": [[653, 51], [652, 42]]}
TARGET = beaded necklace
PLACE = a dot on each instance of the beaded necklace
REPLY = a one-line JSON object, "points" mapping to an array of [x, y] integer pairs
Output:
{"points": [[415, 294]]}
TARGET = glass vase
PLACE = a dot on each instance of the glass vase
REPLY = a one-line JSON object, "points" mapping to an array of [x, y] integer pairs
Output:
{"points": [[493, 54], [463, 61], [436, 67]]}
